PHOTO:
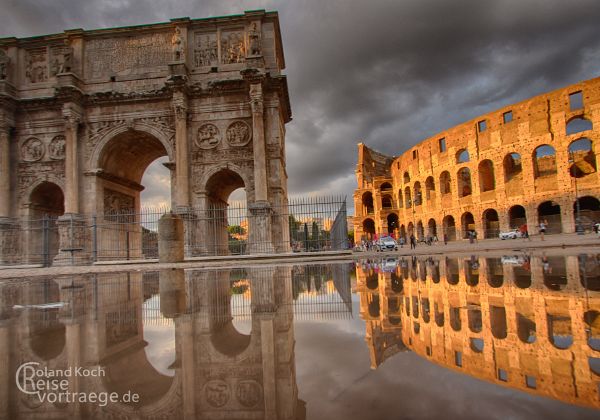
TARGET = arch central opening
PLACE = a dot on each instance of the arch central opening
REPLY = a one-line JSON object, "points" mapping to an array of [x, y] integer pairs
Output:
{"points": [[130, 163]]}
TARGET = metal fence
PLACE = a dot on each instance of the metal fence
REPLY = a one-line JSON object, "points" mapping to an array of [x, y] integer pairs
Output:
{"points": [[302, 225]]}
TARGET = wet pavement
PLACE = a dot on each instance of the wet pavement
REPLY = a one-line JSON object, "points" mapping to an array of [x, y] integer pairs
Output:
{"points": [[506, 335]]}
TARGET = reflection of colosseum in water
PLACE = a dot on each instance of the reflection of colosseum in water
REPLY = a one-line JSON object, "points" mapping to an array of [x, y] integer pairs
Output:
{"points": [[524, 163], [531, 324]]}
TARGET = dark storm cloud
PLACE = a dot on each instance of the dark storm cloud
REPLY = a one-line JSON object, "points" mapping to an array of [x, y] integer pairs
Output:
{"points": [[387, 72]]}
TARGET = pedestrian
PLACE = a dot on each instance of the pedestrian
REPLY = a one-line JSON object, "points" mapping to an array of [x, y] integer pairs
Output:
{"points": [[543, 227], [471, 236], [445, 239], [401, 242], [524, 232], [413, 242]]}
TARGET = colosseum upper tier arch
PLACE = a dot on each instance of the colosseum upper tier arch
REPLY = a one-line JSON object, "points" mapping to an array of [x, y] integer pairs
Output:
{"points": [[529, 162], [84, 112]]}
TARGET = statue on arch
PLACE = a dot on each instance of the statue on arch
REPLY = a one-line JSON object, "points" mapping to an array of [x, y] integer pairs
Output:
{"points": [[178, 45]]}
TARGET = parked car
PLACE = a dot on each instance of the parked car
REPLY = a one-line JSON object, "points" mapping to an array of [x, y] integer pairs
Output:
{"points": [[513, 260], [386, 244], [511, 234]]}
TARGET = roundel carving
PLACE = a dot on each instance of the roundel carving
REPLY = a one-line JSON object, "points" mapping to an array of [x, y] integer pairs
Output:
{"points": [[217, 393], [56, 148], [238, 133], [32, 150], [248, 393], [208, 136]]}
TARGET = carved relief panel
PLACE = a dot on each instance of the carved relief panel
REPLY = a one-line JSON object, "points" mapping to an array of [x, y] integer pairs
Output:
{"points": [[233, 48], [239, 133], [56, 148], [118, 207], [205, 49], [130, 55], [32, 150], [36, 66]]}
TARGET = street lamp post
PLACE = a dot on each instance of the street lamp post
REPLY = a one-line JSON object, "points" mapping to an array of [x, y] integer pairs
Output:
{"points": [[573, 173]]}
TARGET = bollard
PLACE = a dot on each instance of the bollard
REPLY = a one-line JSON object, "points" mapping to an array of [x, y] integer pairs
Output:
{"points": [[170, 238]]}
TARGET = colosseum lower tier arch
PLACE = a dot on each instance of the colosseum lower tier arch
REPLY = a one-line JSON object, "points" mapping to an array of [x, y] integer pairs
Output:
{"points": [[83, 113], [491, 175]]}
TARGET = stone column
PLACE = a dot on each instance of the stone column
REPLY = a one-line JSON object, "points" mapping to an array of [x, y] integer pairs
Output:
{"points": [[72, 120], [182, 193], [9, 244], [4, 171], [260, 235]]}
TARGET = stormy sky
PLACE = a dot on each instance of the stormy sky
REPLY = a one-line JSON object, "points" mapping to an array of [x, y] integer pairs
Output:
{"points": [[389, 73]]}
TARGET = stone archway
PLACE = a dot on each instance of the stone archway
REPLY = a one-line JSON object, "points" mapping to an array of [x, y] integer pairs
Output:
{"points": [[218, 188], [121, 159], [46, 205]]}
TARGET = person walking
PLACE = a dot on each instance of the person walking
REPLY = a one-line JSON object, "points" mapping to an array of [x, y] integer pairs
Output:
{"points": [[413, 242], [401, 241], [524, 232], [543, 227], [445, 239]]}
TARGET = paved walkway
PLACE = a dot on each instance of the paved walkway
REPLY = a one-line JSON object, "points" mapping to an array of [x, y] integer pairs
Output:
{"points": [[572, 242]]}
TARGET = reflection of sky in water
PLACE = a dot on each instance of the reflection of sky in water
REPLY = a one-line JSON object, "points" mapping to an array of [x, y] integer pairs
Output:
{"points": [[160, 350]]}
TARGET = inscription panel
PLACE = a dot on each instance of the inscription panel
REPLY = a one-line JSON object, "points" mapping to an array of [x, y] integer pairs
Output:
{"points": [[122, 56]]}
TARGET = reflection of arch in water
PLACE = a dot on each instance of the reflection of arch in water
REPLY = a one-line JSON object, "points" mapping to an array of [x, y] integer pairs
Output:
{"points": [[438, 309], [455, 321], [471, 272], [498, 321], [474, 318], [452, 275], [589, 272], [495, 272], [555, 273], [47, 334], [374, 305], [592, 321], [476, 344], [560, 333], [525, 328]]}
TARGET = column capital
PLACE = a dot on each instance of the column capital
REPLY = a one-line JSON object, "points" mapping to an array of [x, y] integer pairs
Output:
{"points": [[180, 106], [256, 98], [72, 115]]}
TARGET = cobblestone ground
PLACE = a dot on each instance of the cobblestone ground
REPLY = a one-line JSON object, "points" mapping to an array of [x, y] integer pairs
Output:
{"points": [[553, 243]]}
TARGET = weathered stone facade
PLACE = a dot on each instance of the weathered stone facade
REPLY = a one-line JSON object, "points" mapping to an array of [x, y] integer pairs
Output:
{"points": [[533, 327], [83, 113], [524, 163]]}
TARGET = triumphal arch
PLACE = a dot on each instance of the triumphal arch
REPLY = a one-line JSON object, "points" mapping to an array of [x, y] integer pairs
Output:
{"points": [[84, 112]]}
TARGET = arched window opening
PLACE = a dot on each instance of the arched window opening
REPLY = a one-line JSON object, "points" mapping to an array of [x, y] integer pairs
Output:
{"points": [[392, 224], [418, 194], [449, 227], [491, 223], [549, 214], [462, 156], [386, 202], [487, 182], [578, 124], [517, 217], [406, 178], [544, 161], [468, 224], [429, 188], [445, 183], [407, 198], [513, 169], [582, 160], [367, 202], [386, 186], [369, 229], [464, 182]]}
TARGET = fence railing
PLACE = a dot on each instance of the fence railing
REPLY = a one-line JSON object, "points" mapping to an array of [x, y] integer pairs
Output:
{"points": [[303, 224]]}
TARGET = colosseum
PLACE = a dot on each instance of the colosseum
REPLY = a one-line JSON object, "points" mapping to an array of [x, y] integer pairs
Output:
{"points": [[531, 162]]}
